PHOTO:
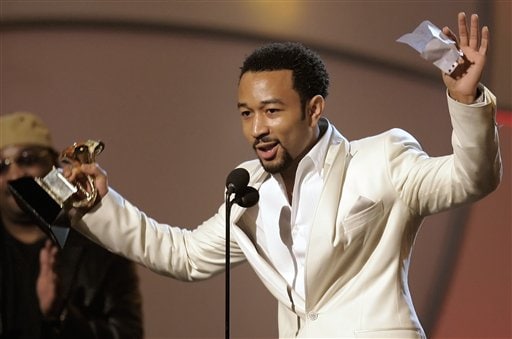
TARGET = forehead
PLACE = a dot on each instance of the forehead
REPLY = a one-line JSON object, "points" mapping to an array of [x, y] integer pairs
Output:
{"points": [[281, 79], [259, 87]]}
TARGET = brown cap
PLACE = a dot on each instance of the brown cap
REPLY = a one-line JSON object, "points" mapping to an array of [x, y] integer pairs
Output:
{"points": [[23, 128]]}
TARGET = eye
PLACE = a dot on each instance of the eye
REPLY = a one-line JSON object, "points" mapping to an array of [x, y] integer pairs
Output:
{"points": [[4, 165], [29, 158], [271, 111], [245, 114]]}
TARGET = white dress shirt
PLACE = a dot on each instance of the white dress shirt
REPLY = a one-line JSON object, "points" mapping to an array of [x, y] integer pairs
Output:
{"points": [[282, 230]]}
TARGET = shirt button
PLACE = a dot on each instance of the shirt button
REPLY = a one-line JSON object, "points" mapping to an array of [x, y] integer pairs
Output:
{"points": [[312, 316]]}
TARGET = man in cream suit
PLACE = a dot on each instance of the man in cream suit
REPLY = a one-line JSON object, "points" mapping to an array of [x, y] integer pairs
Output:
{"points": [[332, 233]]}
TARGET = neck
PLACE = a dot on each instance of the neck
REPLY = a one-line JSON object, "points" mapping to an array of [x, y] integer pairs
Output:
{"points": [[288, 176], [289, 173]]}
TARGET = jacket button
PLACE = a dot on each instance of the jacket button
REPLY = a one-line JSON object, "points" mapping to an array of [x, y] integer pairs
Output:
{"points": [[312, 316]]}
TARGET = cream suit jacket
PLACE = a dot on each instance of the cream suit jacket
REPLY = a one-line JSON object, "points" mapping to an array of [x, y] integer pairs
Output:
{"points": [[376, 194]]}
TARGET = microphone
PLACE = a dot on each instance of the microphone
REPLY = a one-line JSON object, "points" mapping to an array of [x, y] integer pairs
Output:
{"points": [[237, 180], [247, 197]]}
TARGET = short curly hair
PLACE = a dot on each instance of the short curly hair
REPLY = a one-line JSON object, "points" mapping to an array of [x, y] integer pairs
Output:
{"points": [[309, 74]]}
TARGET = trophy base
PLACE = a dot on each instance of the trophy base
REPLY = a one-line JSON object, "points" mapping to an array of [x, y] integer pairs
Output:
{"points": [[36, 201]]}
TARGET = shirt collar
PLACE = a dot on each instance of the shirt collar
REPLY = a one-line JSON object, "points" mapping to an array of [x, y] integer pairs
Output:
{"points": [[318, 153], [315, 158]]}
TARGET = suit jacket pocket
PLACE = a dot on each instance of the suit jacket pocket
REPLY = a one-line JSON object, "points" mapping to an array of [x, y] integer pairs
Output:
{"points": [[395, 333], [363, 212]]}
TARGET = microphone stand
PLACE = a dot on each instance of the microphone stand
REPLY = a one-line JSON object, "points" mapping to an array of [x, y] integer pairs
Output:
{"points": [[245, 196], [227, 263]]}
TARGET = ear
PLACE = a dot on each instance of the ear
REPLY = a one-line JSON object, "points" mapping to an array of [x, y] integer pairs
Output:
{"points": [[315, 109]]}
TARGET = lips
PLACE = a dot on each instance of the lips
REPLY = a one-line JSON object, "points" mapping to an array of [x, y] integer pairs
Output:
{"points": [[266, 151]]}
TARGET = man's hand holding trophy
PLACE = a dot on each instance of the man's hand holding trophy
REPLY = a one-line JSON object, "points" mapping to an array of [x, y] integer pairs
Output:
{"points": [[48, 199], [76, 155]]}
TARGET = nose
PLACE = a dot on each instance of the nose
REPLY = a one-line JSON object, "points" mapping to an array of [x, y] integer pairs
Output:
{"points": [[259, 126]]}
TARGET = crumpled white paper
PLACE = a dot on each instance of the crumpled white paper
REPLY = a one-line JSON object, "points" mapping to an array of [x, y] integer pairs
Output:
{"points": [[433, 45]]}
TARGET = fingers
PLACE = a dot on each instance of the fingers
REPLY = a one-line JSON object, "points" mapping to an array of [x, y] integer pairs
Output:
{"points": [[484, 43], [47, 257], [471, 39], [473, 32], [47, 280], [463, 30], [448, 32], [74, 174], [71, 173], [462, 83]]}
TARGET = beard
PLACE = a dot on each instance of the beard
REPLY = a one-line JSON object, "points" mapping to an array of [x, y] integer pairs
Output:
{"points": [[279, 164]]}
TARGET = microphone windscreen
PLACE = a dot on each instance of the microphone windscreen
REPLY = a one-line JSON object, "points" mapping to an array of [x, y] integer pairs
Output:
{"points": [[237, 180], [247, 197]]}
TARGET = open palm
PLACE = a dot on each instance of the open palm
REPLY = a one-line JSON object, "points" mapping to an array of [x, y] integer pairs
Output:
{"points": [[462, 83]]}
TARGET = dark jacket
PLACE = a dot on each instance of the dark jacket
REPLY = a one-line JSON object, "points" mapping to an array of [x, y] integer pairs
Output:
{"points": [[99, 294]]}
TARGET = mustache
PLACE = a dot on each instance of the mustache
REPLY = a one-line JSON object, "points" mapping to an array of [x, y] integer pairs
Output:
{"points": [[262, 140]]}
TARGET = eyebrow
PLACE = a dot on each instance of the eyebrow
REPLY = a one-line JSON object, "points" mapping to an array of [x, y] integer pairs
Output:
{"points": [[263, 103]]}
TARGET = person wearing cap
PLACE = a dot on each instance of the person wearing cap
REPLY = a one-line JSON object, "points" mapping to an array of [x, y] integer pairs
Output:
{"points": [[81, 291]]}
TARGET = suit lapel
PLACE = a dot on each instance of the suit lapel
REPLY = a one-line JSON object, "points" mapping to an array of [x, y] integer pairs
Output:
{"points": [[275, 283], [324, 237], [323, 234]]}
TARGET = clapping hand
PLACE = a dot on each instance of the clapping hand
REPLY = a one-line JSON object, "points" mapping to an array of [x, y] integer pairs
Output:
{"points": [[47, 280]]}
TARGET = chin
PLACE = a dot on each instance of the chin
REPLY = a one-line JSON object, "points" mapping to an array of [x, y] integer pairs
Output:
{"points": [[275, 166], [281, 162], [272, 169]]}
